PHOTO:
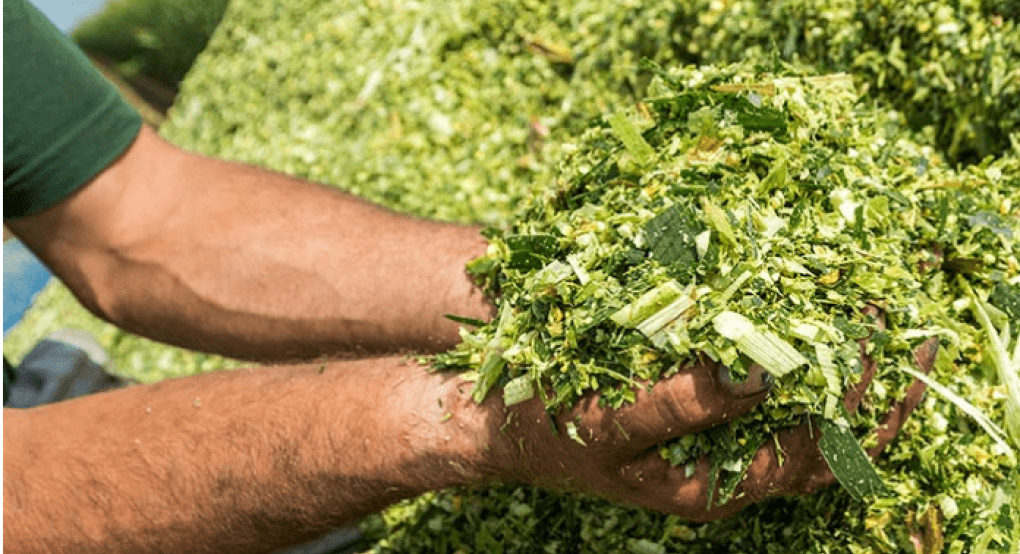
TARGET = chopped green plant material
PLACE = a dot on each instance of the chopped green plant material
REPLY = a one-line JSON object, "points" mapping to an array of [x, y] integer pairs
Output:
{"points": [[752, 245], [456, 109], [518, 390], [627, 132], [988, 425], [1007, 365], [648, 305], [768, 350], [949, 67], [799, 231], [849, 462]]}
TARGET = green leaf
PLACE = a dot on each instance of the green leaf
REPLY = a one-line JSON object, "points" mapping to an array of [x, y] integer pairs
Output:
{"points": [[671, 237], [717, 217], [757, 117], [520, 389], [465, 320], [833, 383], [1006, 298], [632, 140], [644, 546], [530, 251], [573, 434], [488, 375], [993, 222], [848, 461]]}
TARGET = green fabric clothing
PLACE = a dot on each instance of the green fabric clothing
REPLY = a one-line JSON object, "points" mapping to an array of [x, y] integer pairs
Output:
{"points": [[8, 378], [63, 122]]}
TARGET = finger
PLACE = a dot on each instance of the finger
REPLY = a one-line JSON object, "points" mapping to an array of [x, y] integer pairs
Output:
{"points": [[925, 354], [691, 400], [653, 482], [757, 380], [854, 396], [924, 357]]}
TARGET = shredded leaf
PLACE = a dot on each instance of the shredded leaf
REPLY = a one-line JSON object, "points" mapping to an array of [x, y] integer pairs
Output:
{"points": [[632, 139], [518, 390], [848, 461]]}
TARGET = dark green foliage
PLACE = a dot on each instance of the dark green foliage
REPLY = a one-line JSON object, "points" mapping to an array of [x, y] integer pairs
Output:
{"points": [[156, 38]]}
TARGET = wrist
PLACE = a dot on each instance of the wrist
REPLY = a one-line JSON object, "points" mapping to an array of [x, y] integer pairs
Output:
{"points": [[466, 296], [426, 431], [464, 434]]}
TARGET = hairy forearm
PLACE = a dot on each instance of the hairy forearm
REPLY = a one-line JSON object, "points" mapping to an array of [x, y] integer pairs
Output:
{"points": [[232, 259], [235, 461]]}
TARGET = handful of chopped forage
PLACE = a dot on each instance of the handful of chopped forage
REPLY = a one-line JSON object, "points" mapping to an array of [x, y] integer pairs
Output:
{"points": [[757, 217]]}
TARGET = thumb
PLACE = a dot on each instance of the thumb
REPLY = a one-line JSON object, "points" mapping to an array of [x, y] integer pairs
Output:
{"points": [[695, 398]]}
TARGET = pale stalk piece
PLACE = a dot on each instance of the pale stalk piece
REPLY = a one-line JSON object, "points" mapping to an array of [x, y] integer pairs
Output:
{"points": [[1008, 369], [993, 430], [764, 347]]}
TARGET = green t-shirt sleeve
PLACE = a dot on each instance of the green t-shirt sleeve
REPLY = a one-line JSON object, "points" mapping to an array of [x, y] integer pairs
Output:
{"points": [[63, 122]]}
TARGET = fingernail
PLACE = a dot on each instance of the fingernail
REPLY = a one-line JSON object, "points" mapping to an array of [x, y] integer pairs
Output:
{"points": [[758, 381]]}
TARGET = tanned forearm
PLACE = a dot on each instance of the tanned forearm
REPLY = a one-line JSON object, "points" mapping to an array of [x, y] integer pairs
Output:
{"points": [[232, 259], [251, 460], [239, 461]]}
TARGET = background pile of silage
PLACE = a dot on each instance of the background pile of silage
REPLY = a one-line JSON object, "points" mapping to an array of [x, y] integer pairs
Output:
{"points": [[458, 109], [443, 106]]}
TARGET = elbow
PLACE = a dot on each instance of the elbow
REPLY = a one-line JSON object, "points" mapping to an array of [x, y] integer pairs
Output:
{"points": [[99, 281]]}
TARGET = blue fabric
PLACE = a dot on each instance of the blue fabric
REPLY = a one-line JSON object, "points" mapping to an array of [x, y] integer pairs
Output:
{"points": [[55, 371], [24, 277]]}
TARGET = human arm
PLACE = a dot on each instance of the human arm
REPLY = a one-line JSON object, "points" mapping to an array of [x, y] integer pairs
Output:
{"points": [[239, 461], [228, 258], [250, 460]]}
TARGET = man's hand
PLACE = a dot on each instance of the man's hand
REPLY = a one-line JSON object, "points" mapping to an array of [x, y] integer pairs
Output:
{"points": [[804, 469], [620, 460]]}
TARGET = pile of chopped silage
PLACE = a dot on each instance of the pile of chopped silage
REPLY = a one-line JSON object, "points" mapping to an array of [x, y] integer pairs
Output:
{"points": [[958, 58], [950, 67], [780, 206], [450, 109], [441, 109]]}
